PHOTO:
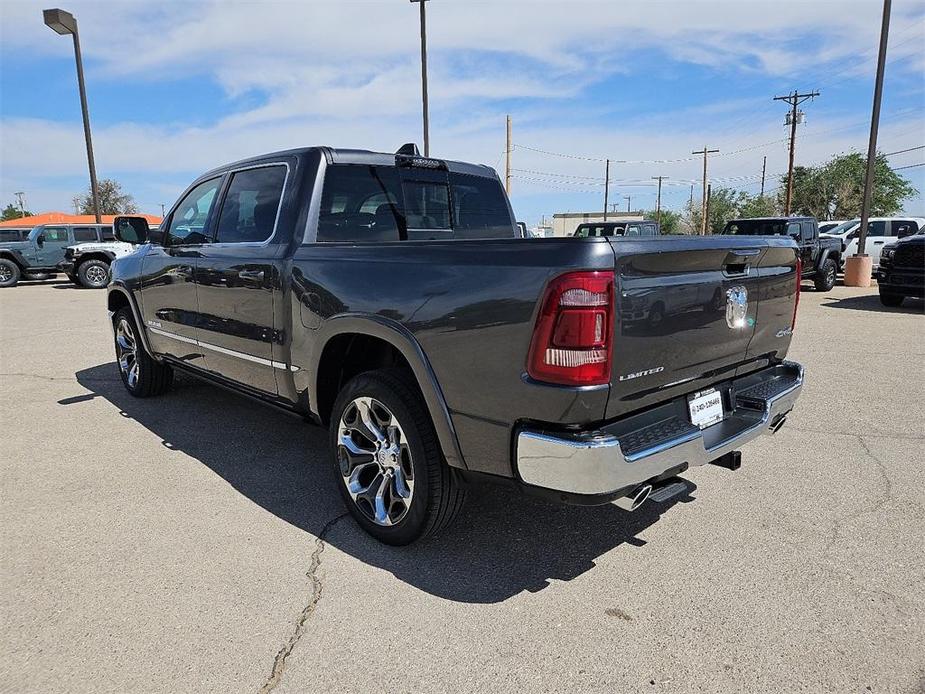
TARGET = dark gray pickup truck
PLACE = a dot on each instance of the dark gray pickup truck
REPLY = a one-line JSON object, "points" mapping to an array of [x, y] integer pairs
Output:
{"points": [[391, 298]]}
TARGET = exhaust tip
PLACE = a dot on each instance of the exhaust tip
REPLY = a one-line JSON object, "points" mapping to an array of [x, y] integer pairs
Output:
{"points": [[634, 499], [778, 424]]}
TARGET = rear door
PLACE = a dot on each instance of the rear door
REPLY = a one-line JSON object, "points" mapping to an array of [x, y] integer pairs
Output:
{"points": [[168, 294], [238, 275], [687, 309]]}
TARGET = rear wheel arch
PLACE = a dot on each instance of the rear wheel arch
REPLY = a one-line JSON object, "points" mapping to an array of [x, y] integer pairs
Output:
{"points": [[359, 344], [6, 255]]}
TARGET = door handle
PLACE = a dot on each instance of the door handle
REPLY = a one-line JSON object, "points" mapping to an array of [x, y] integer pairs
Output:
{"points": [[878, 243], [256, 275]]}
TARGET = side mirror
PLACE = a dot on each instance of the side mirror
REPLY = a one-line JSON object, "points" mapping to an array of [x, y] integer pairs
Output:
{"points": [[40, 240], [131, 229]]}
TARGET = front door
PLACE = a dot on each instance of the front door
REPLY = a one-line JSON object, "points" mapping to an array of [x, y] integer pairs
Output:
{"points": [[238, 277], [50, 246], [169, 306]]}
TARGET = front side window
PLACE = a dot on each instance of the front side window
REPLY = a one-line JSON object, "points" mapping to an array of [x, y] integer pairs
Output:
{"points": [[251, 205], [55, 234], [106, 234], [793, 230], [188, 222], [84, 234], [903, 227]]}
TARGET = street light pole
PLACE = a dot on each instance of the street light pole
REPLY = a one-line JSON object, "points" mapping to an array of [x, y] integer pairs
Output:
{"points": [[423, 3], [65, 23]]}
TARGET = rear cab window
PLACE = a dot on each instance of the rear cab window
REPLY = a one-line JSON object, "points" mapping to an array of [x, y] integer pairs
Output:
{"points": [[385, 203]]}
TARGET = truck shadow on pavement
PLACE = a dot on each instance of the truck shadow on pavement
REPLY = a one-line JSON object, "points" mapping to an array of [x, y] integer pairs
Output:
{"points": [[502, 544], [871, 302]]}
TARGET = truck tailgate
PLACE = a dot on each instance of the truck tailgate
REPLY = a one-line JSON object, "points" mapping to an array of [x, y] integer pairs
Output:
{"points": [[693, 310]]}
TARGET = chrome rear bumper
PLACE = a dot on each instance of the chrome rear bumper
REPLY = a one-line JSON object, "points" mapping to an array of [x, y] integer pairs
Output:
{"points": [[632, 451]]}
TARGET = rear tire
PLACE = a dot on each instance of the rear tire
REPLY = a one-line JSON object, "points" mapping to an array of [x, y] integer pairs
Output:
{"points": [[888, 299], [9, 273], [825, 277], [93, 274], [141, 375], [389, 467]]}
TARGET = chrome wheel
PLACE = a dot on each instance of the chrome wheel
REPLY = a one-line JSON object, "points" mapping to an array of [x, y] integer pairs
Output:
{"points": [[375, 461], [96, 275], [127, 352], [6, 273]]}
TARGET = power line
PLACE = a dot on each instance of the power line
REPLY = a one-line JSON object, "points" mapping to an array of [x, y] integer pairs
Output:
{"points": [[909, 166], [902, 151]]}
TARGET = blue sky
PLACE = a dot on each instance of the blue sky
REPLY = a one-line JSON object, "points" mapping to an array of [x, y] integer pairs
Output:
{"points": [[177, 88]]}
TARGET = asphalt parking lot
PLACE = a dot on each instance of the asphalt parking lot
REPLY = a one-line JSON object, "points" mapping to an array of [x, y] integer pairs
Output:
{"points": [[196, 542]]}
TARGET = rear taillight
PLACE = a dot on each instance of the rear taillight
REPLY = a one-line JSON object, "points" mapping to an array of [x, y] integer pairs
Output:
{"points": [[573, 339], [796, 300]]}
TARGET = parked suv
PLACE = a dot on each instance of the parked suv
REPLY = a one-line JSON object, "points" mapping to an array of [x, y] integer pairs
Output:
{"points": [[43, 249], [820, 256], [391, 298], [902, 270], [87, 264]]}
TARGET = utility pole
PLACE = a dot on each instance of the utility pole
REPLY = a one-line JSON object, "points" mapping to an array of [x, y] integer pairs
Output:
{"points": [[20, 197], [691, 202], [75, 201], [706, 212], [764, 167], [163, 210], [628, 199], [794, 99], [858, 268], [703, 205], [507, 160], [658, 199], [606, 187], [424, 76]]}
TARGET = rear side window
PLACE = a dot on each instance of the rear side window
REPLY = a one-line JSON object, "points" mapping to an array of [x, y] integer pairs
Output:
{"points": [[85, 234], [384, 203], [10, 235], [106, 234], [251, 205], [876, 228]]}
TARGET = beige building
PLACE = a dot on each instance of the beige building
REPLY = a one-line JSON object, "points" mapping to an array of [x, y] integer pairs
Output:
{"points": [[565, 223]]}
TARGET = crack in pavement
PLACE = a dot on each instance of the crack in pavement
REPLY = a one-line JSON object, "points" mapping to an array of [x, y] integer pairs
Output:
{"points": [[72, 379], [279, 663]]}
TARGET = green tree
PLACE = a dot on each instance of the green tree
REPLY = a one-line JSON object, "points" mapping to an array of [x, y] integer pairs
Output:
{"points": [[13, 212], [671, 220], [112, 199], [726, 204], [835, 189]]}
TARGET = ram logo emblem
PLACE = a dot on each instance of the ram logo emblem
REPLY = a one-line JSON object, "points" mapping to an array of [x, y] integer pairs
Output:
{"points": [[736, 307]]}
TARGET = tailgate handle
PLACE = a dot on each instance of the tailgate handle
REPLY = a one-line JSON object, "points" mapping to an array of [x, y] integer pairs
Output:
{"points": [[736, 262]]}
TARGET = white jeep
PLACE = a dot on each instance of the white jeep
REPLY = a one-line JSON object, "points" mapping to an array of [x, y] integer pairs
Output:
{"points": [[87, 264]]}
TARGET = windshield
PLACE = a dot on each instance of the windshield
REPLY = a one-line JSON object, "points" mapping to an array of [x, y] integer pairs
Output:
{"points": [[844, 227], [756, 227]]}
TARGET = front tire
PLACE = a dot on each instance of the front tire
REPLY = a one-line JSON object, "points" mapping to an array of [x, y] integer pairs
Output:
{"points": [[391, 473], [9, 273], [888, 299], [825, 277], [93, 274], [141, 375]]}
